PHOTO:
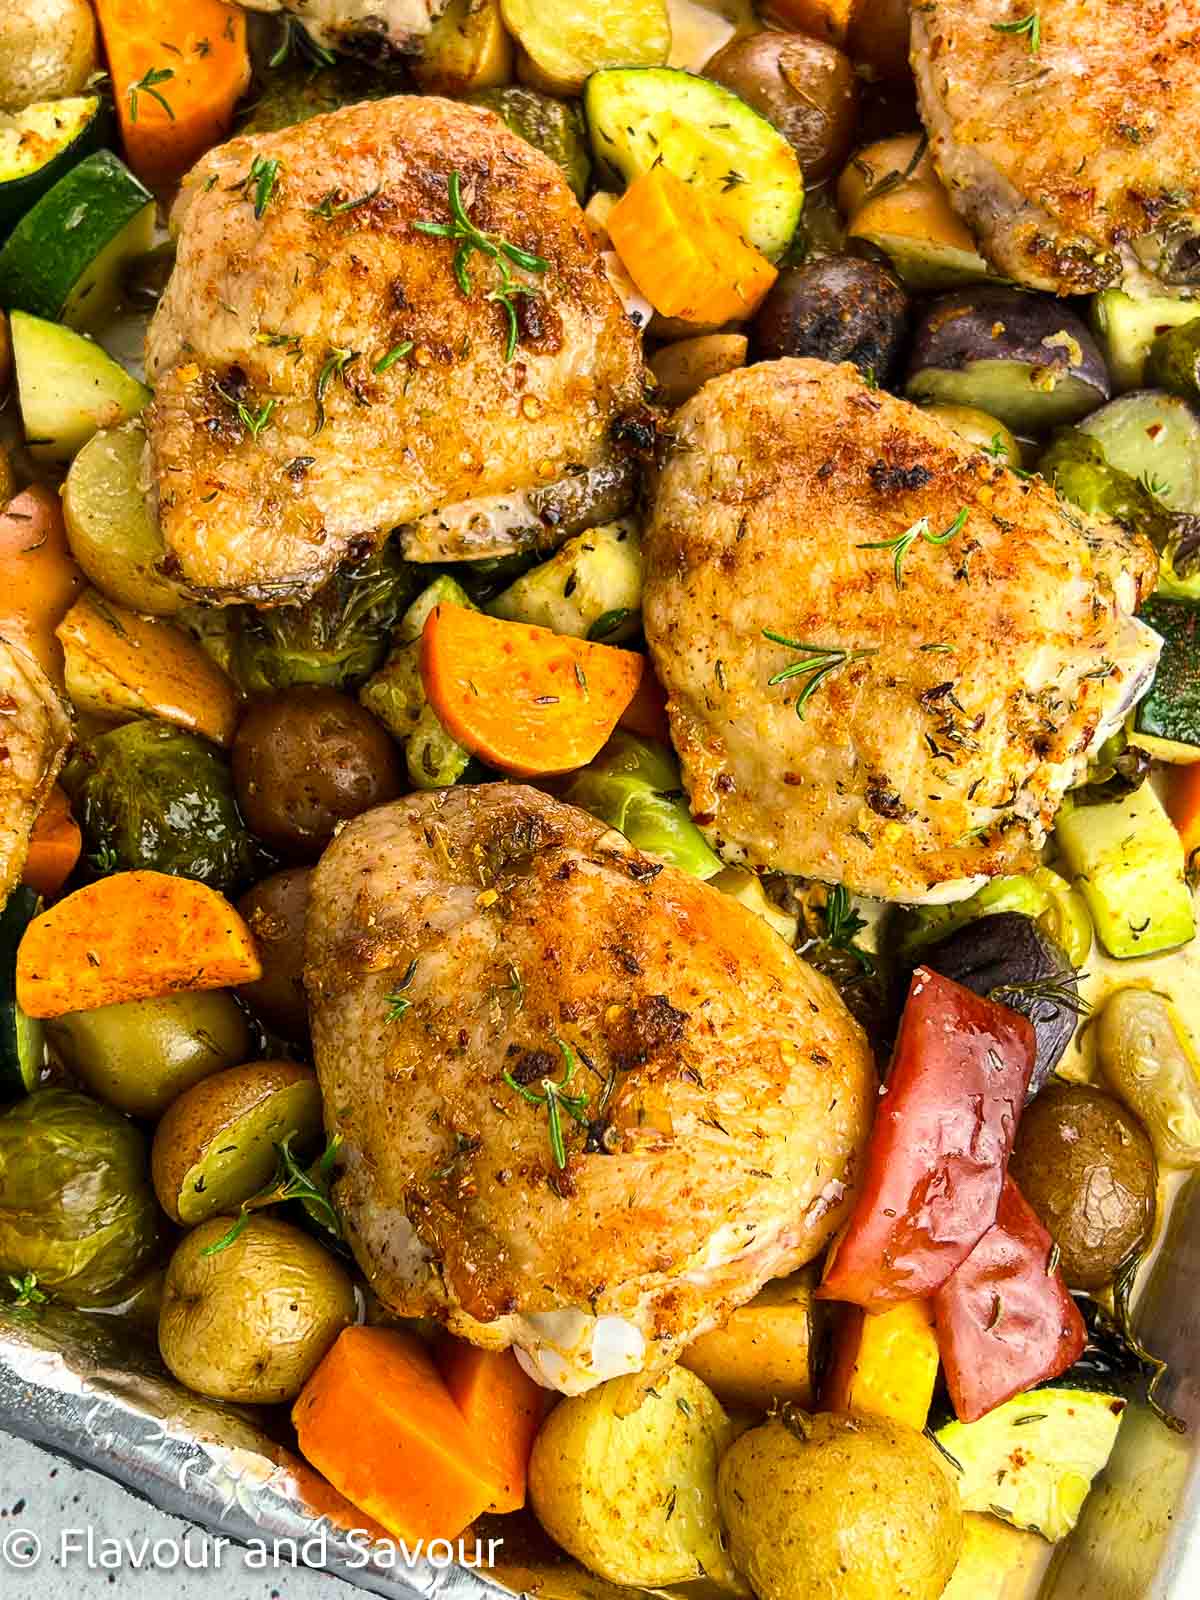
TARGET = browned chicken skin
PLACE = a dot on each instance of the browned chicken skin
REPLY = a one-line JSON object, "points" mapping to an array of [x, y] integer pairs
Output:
{"points": [[292, 313], [724, 1089], [959, 704], [1072, 155]]}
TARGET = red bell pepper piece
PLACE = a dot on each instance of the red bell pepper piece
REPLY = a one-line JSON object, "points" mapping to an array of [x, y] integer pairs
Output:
{"points": [[938, 1150], [1006, 1320]]}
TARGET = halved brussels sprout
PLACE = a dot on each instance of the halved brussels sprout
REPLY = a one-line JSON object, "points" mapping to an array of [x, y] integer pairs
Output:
{"points": [[633, 785], [76, 1207]]}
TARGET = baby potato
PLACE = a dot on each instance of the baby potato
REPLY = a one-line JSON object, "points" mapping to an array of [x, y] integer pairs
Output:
{"points": [[274, 911], [804, 87], [216, 1146], [634, 1498], [250, 1321], [851, 1507], [47, 50], [142, 1054]]}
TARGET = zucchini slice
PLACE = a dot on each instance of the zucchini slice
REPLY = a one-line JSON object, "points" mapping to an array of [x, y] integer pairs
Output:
{"points": [[704, 134], [39, 144], [69, 387], [65, 259], [1155, 438], [1170, 710], [596, 575], [1031, 1461], [1125, 329], [22, 1049]]}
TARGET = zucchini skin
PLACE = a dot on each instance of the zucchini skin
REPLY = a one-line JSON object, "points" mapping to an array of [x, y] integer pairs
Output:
{"points": [[20, 195]]}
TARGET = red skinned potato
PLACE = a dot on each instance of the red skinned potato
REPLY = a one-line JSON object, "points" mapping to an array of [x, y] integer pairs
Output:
{"points": [[1005, 1319], [807, 89], [938, 1150]]}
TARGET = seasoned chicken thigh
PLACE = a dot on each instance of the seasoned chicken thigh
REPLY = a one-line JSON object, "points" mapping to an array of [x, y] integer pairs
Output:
{"points": [[588, 1103], [374, 28], [886, 657], [324, 369], [1071, 151]]}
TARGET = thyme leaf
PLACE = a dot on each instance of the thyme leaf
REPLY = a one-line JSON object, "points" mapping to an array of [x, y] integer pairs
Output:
{"points": [[329, 206], [261, 178], [396, 353], [253, 421], [334, 366]]}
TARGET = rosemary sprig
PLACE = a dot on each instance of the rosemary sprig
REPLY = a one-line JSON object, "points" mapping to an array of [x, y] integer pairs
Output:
{"points": [[329, 206], [261, 178], [903, 542], [556, 1100], [305, 44], [820, 661], [147, 85], [253, 421], [334, 366], [470, 239], [1154, 1367], [398, 1002], [1056, 992], [843, 924], [894, 178], [309, 1185], [1031, 25]]}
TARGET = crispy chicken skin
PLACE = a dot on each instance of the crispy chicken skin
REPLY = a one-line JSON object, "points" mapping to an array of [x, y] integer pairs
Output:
{"points": [[726, 1090], [282, 307], [1075, 165], [36, 731], [377, 29], [1006, 654]]}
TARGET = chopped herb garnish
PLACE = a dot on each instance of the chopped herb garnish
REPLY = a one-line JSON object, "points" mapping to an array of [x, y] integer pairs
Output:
{"points": [[821, 661], [843, 924], [1056, 992], [903, 542], [554, 1097], [334, 366], [261, 178], [147, 85], [330, 206], [998, 450], [309, 1185], [396, 353], [26, 1291], [1031, 24], [1153, 484], [608, 622], [253, 421], [293, 33], [104, 860], [895, 178], [501, 251], [398, 1003]]}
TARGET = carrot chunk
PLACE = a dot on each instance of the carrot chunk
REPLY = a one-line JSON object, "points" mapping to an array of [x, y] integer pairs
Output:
{"points": [[502, 1407], [686, 257], [523, 699], [177, 72], [377, 1420], [1183, 803], [40, 576], [132, 936], [54, 846]]}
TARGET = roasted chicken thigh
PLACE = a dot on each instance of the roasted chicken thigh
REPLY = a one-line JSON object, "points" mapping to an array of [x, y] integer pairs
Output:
{"points": [[886, 656], [377, 29], [324, 369], [1066, 133], [588, 1104]]}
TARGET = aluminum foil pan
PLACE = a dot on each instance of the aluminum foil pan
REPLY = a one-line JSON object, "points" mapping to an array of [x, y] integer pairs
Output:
{"points": [[72, 1384]]}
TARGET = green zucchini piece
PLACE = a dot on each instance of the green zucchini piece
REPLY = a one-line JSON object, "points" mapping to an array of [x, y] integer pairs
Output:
{"points": [[22, 1046], [555, 127], [1174, 359], [442, 591], [596, 574], [704, 134], [1155, 438], [66, 258], [433, 758], [1031, 1461], [69, 387], [42, 142], [1171, 709], [1127, 861], [1126, 328]]}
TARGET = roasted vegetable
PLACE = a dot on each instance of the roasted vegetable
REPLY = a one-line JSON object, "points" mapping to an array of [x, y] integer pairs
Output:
{"points": [[1086, 1167], [1128, 862], [1170, 709], [883, 1364], [596, 577], [296, 90], [1004, 1318], [22, 1038], [937, 1152], [806, 89], [40, 578], [566, 43], [47, 50], [633, 785], [467, 48], [1148, 1057], [1127, 327], [1174, 360], [217, 1146], [307, 760], [978, 428], [595, 1473], [76, 1208], [746, 888], [503, 1409], [150, 796], [1008, 957], [825, 1505], [274, 911], [1119, 768], [141, 1055], [682, 368], [555, 127], [1023, 358], [764, 1353], [705, 135], [251, 1321], [840, 308], [1059, 911], [1155, 438], [335, 640], [892, 198]]}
